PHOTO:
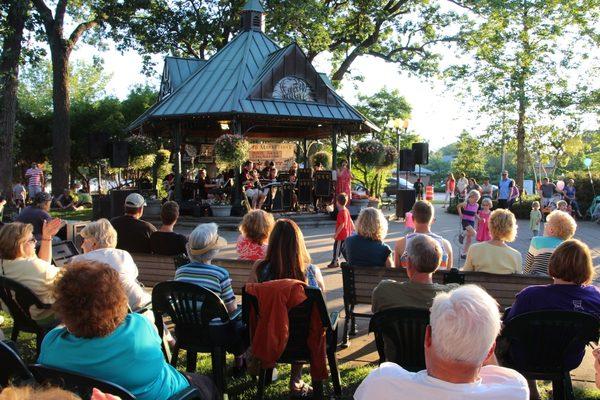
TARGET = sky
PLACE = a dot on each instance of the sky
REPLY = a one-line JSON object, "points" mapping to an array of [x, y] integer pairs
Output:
{"points": [[436, 112]]}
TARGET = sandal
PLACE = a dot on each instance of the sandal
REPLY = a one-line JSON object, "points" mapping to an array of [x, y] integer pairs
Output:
{"points": [[305, 391], [333, 265]]}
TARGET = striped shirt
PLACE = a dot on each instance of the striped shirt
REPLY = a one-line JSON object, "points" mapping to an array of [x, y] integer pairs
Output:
{"points": [[35, 176], [211, 277], [538, 256], [469, 211]]}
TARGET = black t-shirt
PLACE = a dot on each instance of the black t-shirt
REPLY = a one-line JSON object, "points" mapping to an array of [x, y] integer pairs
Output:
{"points": [[34, 216], [133, 235], [167, 243]]}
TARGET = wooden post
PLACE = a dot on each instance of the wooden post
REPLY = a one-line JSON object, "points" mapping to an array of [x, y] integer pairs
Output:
{"points": [[236, 129], [334, 135], [176, 132], [349, 150], [305, 150]]}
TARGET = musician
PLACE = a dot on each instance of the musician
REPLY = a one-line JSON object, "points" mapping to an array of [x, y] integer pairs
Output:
{"points": [[317, 201], [269, 186], [294, 168], [203, 185], [253, 189]]}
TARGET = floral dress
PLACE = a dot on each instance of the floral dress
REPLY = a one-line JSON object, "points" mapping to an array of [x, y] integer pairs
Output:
{"points": [[249, 250], [344, 179], [483, 230]]}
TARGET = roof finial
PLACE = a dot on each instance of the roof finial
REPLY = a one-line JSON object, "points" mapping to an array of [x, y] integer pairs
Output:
{"points": [[253, 16]]}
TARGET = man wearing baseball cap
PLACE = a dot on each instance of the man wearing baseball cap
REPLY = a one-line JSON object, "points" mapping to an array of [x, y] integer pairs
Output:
{"points": [[133, 234], [36, 213]]}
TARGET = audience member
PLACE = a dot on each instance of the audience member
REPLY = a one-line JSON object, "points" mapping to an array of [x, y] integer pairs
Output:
{"points": [[36, 213], [548, 190], [30, 393], [164, 241], [461, 185], [132, 232], [19, 195], [101, 339], [495, 256], [571, 269], [366, 248], [66, 201], [253, 240], [560, 226], [19, 262], [570, 196], [459, 346], [288, 258], [423, 216], [504, 190], [99, 242], [473, 185], [450, 186], [487, 189], [343, 228], [35, 180], [423, 257]]}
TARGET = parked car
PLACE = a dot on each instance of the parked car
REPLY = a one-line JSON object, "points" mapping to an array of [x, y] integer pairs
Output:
{"points": [[392, 186]]}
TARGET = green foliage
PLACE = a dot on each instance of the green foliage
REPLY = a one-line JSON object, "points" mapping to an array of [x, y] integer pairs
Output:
{"points": [[322, 157], [231, 151], [372, 160], [382, 107], [469, 158]]}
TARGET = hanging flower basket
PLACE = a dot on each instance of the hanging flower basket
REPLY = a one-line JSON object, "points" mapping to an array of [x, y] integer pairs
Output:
{"points": [[231, 151], [369, 153], [389, 156]]}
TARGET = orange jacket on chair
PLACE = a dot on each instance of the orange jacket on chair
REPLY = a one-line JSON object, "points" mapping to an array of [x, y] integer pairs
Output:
{"points": [[269, 332]]}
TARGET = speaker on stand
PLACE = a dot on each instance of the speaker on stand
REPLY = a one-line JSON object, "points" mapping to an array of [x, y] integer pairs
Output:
{"points": [[421, 154], [120, 155]]}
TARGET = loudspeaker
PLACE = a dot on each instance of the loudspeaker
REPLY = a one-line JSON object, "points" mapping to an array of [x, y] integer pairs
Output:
{"points": [[405, 200], [407, 160], [120, 155], [117, 201], [287, 194], [97, 145], [323, 183], [305, 173], [421, 151], [305, 189]]}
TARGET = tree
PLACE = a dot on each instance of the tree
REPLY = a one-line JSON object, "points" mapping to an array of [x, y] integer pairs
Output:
{"points": [[403, 32], [381, 108], [469, 158], [12, 33], [86, 15], [521, 51]]}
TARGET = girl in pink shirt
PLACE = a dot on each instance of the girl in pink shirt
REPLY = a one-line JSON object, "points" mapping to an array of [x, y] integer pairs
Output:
{"points": [[255, 230]]}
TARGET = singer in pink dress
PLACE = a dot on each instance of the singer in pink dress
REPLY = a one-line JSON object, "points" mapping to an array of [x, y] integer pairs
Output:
{"points": [[344, 180]]}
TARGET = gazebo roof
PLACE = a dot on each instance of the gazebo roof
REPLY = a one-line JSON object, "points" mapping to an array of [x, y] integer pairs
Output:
{"points": [[251, 78]]}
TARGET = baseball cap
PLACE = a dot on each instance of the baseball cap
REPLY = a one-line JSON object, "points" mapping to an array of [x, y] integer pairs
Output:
{"points": [[135, 200], [42, 197]]}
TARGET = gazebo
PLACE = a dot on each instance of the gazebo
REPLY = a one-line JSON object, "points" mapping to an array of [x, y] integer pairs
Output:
{"points": [[252, 87]]}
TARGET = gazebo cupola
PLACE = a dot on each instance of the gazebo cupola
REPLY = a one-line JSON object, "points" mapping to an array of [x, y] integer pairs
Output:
{"points": [[253, 16]]}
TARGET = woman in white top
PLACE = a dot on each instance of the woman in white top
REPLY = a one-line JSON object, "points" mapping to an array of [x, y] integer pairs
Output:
{"points": [[19, 262], [495, 256], [99, 242]]}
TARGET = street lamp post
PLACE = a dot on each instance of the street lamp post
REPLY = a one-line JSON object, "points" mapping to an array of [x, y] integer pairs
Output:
{"points": [[396, 124]]}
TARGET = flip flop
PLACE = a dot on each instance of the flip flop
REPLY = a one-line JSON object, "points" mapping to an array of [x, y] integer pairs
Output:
{"points": [[305, 391]]}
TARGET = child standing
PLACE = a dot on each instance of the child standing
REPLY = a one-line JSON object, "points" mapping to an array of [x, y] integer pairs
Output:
{"points": [[467, 211], [535, 218], [483, 216], [343, 228]]}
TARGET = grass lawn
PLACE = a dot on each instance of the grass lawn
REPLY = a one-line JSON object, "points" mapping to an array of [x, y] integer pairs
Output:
{"points": [[245, 388], [80, 215]]}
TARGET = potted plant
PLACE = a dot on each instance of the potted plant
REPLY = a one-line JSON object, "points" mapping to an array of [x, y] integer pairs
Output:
{"points": [[221, 206], [231, 151]]}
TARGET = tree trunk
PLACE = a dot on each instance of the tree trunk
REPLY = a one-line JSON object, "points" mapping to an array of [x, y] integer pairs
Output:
{"points": [[61, 124], [9, 79], [521, 136]]}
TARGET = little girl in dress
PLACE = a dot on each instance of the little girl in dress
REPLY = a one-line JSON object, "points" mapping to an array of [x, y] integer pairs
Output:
{"points": [[483, 216]]}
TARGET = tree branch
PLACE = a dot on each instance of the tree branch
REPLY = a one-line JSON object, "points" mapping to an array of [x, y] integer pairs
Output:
{"points": [[81, 29], [59, 14], [45, 13]]}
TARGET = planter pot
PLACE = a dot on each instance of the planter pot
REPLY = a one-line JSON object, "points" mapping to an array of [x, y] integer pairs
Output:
{"points": [[373, 203], [360, 202], [221, 211]]}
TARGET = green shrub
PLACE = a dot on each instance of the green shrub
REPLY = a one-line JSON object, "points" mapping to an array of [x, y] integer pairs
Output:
{"points": [[584, 193], [322, 157]]}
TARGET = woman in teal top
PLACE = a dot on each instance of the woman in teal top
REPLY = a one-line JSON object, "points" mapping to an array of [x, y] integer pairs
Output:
{"points": [[102, 340]]}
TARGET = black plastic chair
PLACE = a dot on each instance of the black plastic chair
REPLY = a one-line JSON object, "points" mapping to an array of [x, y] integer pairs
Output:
{"points": [[18, 299], [13, 370], [192, 308], [297, 349], [544, 339], [77, 383], [399, 336]]}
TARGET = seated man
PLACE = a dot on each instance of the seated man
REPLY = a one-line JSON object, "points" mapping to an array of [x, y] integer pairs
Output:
{"points": [[66, 201], [36, 213], [459, 342], [164, 241], [133, 233], [423, 217]]}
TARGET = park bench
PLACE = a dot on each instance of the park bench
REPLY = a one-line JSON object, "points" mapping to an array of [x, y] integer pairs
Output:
{"points": [[359, 283], [155, 268]]}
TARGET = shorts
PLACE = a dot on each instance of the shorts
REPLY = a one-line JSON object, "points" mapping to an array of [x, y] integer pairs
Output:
{"points": [[250, 193], [466, 222], [33, 190]]}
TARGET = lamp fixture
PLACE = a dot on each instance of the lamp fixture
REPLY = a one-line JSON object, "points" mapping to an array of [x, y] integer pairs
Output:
{"points": [[224, 125]]}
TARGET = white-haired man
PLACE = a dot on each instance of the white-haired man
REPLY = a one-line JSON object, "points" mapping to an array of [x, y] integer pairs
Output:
{"points": [[459, 342]]}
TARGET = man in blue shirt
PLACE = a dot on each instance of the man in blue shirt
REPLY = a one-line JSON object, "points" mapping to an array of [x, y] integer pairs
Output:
{"points": [[504, 187]]}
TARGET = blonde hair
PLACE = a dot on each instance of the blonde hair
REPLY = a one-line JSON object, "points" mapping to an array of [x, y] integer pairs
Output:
{"points": [[535, 204], [12, 238], [257, 225], [572, 262], [487, 201], [560, 224], [102, 232], [29, 393], [503, 225], [474, 193], [371, 224]]}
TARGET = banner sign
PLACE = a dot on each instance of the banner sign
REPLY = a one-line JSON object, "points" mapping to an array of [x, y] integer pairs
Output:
{"points": [[283, 154]]}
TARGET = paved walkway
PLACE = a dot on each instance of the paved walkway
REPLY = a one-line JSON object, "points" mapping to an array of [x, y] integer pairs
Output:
{"points": [[362, 350]]}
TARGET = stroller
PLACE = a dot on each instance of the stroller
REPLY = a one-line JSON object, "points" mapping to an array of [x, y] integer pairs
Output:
{"points": [[594, 210]]}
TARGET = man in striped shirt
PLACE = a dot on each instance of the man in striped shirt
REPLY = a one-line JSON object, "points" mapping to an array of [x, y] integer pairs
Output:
{"points": [[36, 180]]}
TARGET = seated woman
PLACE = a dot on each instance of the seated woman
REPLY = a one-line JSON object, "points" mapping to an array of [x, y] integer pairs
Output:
{"points": [[101, 339], [571, 268], [99, 242], [366, 248], [19, 262], [203, 245], [287, 258], [495, 256], [254, 235], [560, 226]]}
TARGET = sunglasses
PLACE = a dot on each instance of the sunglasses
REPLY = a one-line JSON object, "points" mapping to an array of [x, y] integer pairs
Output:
{"points": [[32, 240]]}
